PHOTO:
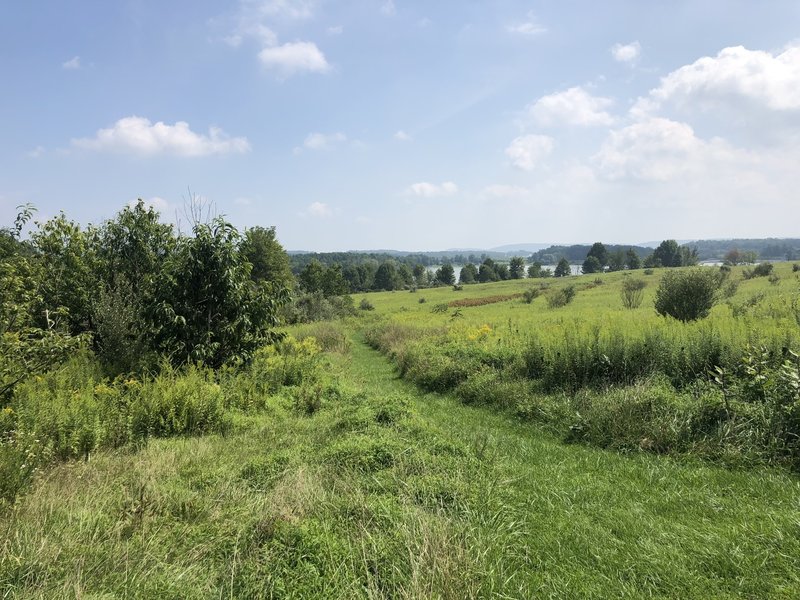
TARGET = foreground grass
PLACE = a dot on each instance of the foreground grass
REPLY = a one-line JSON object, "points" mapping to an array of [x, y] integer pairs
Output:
{"points": [[384, 491]]}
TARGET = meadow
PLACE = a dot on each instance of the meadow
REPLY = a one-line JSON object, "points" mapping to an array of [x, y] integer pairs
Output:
{"points": [[501, 446]]}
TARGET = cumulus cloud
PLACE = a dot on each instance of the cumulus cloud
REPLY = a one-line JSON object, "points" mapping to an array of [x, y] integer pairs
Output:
{"points": [[402, 136], [294, 9], [661, 150], [734, 76], [626, 53], [72, 64], [137, 135], [321, 141], [527, 151], [319, 210], [574, 106], [424, 189], [530, 27], [294, 57]]}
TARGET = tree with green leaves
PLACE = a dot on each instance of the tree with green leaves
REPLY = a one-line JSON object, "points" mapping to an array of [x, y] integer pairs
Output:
{"points": [[469, 274], [591, 265], [562, 268], [445, 275], [687, 295], [270, 261], [632, 260], [516, 268], [386, 276], [211, 311]]}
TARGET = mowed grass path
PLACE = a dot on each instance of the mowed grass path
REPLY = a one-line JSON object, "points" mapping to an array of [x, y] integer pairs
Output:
{"points": [[389, 492], [577, 522]]}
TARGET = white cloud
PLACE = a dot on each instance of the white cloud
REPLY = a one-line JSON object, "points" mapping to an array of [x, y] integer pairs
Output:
{"points": [[36, 152], [663, 150], [138, 135], [321, 141], [626, 53], [424, 189], [505, 191], [335, 30], [735, 76], [530, 27], [72, 64], [294, 57], [388, 8], [319, 210], [294, 9], [402, 136], [574, 106], [527, 151], [258, 31], [243, 201]]}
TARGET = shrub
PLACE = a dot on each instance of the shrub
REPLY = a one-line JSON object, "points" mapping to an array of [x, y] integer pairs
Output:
{"points": [[648, 271], [365, 305], [530, 295], [774, 279], [422, 300], [760, 270], [795, 268], [632, 292], [561, 297], [687, 295]]}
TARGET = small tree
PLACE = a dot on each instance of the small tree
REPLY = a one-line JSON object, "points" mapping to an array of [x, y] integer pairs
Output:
{"points": [[446, 274], [562, 268], [632, 292], [516, 268], [687, 295], [632, 260], [591, 265], [469, 273]]}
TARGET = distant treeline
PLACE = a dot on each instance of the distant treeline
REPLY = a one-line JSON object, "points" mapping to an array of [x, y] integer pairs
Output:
{"points": [[577, 252], [300, 261], [765, 249]]}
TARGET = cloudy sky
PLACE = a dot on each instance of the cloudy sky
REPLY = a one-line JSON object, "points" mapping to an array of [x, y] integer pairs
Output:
{"points": [[410, 124]]}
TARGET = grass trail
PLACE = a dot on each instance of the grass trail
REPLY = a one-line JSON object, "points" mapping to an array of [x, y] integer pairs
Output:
{"points": [[575, 521], [384, 491]]}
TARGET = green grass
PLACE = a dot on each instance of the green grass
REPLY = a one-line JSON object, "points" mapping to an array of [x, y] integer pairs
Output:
{"points": [[385, 491], [726, 387]]}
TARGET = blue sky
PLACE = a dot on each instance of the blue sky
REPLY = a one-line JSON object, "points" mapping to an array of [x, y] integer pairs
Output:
{"points": [[408, 124]]}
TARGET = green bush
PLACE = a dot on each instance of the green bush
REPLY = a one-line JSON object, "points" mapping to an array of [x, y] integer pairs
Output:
{"points": [[366, 305], [561, 297], [632, 292], [760, 270], [687, 295], [530, 295]]}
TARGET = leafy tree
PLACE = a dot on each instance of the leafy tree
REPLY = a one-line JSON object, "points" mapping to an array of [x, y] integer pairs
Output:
{"points": [[69, 279], [386, 276], [487, 271], [446, 274], [312, 276], [469, 273], [516, 268], [591, 265], [536, 271], [616, 260], [420, 275], [670, 254], [502, 271], [598, 250], [405, 274], [270, 261], [25, 349], [333, 281], [562, 268], [210, 310], [632, 260], [687, 295]]}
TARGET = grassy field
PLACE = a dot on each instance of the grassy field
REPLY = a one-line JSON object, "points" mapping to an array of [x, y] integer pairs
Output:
{"points": [[385, 491], [441, 471], [725, 387]]}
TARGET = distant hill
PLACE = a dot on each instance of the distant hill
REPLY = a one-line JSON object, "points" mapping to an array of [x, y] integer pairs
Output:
{"points": [[520, 248]]}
